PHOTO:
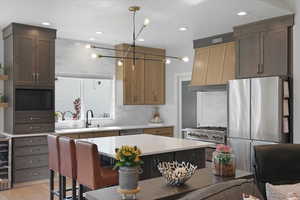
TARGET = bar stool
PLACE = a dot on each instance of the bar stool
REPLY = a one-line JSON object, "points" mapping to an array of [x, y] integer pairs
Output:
{"points": [[68, 164], [89, 171], [54, 165]]}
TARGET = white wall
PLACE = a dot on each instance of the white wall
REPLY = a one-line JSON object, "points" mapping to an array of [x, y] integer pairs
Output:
{"points": [[297, 73], [169, 112]]}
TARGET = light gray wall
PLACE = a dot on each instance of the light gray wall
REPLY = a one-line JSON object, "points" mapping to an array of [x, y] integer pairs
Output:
{"points": [[297, 73]]}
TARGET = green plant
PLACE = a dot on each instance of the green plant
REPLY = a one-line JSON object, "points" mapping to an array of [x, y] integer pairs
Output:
{"points": [[223, 158], [128, 156]]}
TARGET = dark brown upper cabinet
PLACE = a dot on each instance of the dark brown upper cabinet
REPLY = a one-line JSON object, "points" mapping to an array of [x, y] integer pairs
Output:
{"points": [[262, 48], [33, 59]]}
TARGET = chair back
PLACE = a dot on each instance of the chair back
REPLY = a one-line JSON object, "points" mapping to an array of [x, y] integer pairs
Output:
{"points": [[67, 154], [88, 165], [53, 153], [277, 164]]}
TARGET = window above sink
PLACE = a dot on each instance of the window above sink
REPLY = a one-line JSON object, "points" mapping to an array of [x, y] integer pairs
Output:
{"points": [[76, 94]]}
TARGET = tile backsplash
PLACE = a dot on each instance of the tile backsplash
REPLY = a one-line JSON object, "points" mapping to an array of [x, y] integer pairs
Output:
{"points": [[212, 109]]}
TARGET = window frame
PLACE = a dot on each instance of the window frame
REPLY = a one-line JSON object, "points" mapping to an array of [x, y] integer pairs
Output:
{"points": [[81, 77]]}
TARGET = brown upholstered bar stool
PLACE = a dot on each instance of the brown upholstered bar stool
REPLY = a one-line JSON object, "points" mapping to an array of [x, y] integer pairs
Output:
{"points": [[54, 165], [68, 164], [89, 171]]}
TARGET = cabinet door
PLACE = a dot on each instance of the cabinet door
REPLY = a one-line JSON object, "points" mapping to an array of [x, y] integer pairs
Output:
{"points": [[25, 60], [215, 64], [45, 63], [275, 53], [248, 56], [154, 81], [200, 66], [228, 72], [133, 81]]}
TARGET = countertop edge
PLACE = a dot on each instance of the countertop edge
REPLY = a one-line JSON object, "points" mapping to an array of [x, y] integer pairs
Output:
{"points": [[101, 129]]}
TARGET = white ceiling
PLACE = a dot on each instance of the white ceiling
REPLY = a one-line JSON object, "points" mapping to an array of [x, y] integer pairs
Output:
{"points": [[80, 19]]}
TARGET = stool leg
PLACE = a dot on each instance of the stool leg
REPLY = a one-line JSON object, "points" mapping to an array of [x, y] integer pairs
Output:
{"points": [[73, 189], [51, 184], [80, 192], [63, 187]]}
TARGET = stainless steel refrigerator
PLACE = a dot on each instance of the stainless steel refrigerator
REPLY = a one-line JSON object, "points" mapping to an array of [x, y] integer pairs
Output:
{"points": [[256, 115]]}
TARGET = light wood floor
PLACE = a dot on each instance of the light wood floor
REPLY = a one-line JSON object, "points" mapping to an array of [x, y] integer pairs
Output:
{"points": [[33, 191]]}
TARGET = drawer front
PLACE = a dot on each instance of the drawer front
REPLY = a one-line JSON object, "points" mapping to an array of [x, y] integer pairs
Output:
{"points": [[99, 134], [30, 174], [31, 161], [30, 141], [34, 128], [34, 117], [34, 150], [160, 131]]}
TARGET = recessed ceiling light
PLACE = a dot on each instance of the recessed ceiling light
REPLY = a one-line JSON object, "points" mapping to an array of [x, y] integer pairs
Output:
{"points": [[242, 13], [92, 39], [185, 59], [99, 32], [93, 55], [141, 39], [183, 29], [46, 23]]}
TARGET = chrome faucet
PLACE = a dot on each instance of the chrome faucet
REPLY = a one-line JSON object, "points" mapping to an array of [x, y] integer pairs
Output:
{"points": [[87, 123]]}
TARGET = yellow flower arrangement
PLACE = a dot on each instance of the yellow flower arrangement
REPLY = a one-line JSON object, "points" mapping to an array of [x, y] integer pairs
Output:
{"points": [[128, 156]]}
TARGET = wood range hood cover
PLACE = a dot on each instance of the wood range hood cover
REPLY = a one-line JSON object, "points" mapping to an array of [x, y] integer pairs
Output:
{"points": [[214, 63]]}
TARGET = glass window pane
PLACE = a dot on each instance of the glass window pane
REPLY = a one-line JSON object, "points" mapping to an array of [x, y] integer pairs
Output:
{"points": [[67, 90], [98, 96]]}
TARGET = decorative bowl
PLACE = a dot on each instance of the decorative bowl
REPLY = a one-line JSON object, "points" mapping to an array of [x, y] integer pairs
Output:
{"points": [[176, 173]]}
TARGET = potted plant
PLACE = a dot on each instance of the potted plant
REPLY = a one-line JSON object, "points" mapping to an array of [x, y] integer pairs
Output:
{"points": [[223, 161], [128, 161]]}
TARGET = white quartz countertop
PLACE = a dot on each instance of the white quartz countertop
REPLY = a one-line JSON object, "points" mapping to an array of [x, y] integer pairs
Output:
{"points": [[110, 128], [149, 144]]}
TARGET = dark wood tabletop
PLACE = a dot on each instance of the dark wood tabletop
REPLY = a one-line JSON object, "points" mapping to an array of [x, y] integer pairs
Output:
{"points": [[156, 188]]}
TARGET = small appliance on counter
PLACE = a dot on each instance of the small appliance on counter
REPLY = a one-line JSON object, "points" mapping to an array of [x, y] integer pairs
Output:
{"points": [[156, 119]]}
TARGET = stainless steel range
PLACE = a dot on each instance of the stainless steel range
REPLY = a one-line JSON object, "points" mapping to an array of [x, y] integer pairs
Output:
{"points": [[216, 135], [208, 134]]}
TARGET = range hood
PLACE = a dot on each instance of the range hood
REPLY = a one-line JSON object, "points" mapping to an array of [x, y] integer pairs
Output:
{"points": [[214, 63]]}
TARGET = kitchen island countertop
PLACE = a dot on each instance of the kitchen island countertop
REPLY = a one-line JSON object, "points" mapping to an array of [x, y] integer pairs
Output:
{"points": [[149, 144]]}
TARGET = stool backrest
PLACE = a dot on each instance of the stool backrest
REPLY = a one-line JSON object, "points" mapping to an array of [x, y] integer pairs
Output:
{"points": [[88, 163], [53, 153], [67, 154]]}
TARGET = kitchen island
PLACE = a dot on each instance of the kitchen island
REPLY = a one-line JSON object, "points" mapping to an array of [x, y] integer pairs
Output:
{"points": [[155, 149]]}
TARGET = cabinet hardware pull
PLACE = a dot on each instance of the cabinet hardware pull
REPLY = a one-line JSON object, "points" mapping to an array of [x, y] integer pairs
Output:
{"points": [[261, 68], [33, 76], [37, 76], [258, 69], [34, 118]]}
